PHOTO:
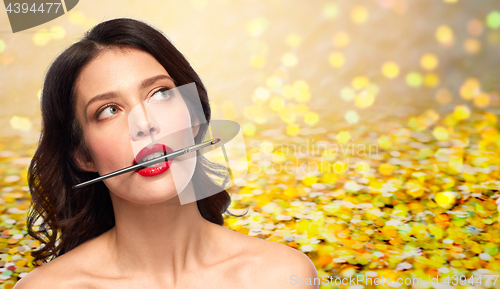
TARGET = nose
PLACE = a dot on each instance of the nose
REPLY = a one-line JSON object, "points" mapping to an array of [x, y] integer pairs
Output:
{"points": [[149, 131], [141, 127]]}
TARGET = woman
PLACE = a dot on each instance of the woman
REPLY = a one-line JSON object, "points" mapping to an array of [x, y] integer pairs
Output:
{"points": [[130, 231]]}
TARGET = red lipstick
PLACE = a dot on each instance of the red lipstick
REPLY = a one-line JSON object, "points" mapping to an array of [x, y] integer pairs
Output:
{"points": [[157, 168]]}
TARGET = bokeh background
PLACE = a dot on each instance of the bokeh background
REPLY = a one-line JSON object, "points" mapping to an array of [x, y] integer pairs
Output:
{"points": [[370, 125]]}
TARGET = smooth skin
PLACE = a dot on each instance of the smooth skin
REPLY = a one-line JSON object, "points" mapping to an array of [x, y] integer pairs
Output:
{"points": [[156, 242]]}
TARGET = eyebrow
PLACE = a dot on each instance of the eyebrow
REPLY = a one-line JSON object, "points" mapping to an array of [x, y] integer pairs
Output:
{"points": [[145, 83]]}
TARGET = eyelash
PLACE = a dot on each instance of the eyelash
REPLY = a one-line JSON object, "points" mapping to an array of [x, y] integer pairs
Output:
{"points": [[101, 110], [162, 89]]}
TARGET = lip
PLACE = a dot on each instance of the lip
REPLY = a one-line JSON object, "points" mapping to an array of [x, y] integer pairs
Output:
{"points": [[158, 168]]}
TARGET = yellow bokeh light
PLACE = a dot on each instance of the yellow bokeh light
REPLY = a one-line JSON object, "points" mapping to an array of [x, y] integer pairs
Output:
{"points": [[364, 99], [470, 88], [42, 37], [431, 80], [257, 61], [390, 69], [351, 117], [359, 14], [261, 95], [249, 129], [273, 82], [311, 118], [343, 136], [362, 167], [303, 96], [336, 59], [347, 93], [440, 133], [289, 59], [360, 82], [445, 36], [386, 169], [429, 61], [20, 123], [384, 142], [330, 10], [414, 79], [445, 199], [58, 32], [301, 91], [292, 129], [277, 104], [461, 112], [482, 100], [372, 88], [266, 147], [76, 17]]}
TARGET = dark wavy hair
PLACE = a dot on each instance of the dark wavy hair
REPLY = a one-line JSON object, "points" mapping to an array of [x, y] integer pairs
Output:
{"points": [[70, 217]]}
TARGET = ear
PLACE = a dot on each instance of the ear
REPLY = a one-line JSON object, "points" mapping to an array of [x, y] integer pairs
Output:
{"points": [[83, 160]]}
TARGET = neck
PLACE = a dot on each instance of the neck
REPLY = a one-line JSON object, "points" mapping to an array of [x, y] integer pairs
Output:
{"points": [[155, 239]]}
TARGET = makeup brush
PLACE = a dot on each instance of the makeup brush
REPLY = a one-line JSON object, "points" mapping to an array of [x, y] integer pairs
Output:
{"points": [[150, 162]]}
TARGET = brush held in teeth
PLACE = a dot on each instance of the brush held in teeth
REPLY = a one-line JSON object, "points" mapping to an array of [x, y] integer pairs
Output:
{"points": [[150, 162]]}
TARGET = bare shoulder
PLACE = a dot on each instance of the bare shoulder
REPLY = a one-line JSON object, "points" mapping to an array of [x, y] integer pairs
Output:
{"points": [[42, 277], [49, 275], [272, 265], [283, 266], [64, 271]]}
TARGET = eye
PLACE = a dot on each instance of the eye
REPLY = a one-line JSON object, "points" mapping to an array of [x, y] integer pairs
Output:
{"points": [[107, 111], [163, 94]]}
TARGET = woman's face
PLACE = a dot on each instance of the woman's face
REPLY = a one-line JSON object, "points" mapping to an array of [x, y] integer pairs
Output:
{"points": [[127, 115]]}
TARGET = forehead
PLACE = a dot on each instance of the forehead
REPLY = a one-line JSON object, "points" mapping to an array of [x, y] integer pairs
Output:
{"points": [[116, 69]]}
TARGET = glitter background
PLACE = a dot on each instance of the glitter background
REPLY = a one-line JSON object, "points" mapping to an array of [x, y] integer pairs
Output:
{"points": [[371, 126]]}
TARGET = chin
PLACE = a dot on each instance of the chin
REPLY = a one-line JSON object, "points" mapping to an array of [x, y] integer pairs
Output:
{"points": [[141, 188], [144, 190], [155, 199], [153, 190]]}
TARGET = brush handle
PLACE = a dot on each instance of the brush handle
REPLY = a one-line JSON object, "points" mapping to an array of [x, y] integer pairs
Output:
{"points": [[149, 162]]}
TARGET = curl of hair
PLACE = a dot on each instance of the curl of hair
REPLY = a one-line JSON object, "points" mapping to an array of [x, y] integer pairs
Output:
{"points": [[61, 218]]}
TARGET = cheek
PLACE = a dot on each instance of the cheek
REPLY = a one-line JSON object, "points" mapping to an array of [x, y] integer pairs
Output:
{"points": [[181, 123], [180, 119], [110, 149], [174, 121]]}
